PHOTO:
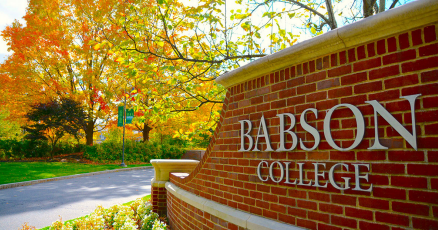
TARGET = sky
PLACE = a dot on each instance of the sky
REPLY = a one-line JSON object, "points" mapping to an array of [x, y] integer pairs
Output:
{"points": [[16, 9], [9, 11]]}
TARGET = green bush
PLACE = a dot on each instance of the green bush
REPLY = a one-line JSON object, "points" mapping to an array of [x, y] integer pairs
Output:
{"points": [[20, 149], [110, 151]]}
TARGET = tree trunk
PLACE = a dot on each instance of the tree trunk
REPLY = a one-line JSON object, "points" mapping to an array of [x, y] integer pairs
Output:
{"points": [[146, 131], [89, 130], [368, 7]]}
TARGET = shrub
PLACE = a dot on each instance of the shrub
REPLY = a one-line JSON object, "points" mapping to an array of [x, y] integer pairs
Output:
{"points": [[111, 151], [137, 215], [20, 149]]}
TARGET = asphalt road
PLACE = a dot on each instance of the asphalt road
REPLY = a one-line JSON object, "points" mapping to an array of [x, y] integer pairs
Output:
{"points": [[42, 204]]}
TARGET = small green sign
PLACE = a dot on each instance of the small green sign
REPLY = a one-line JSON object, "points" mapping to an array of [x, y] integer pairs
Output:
{"points": [[120, 117], [129, 116]]}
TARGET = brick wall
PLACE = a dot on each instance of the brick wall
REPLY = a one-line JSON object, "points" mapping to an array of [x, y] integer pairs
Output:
{"points": [[159, 203], [405, 181]]}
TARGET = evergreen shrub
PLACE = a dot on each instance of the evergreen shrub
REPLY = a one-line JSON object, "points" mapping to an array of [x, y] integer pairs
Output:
{"points": [[111, 151]]}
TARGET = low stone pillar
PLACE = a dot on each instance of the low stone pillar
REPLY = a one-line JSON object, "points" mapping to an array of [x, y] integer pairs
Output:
{"points": [[162, 170]]}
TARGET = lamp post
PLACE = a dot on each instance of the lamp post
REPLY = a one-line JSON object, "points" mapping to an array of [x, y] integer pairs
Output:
{"points": [[124, 121]]}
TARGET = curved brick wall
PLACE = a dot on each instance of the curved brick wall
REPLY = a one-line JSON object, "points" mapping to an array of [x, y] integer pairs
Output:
{"points": [[405, 181]]}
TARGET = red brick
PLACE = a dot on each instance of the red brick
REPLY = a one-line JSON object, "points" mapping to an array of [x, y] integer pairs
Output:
{"points": [[306, 204], [421, 196], [342, 221], [306, 88], [295, 82], [406, 156], [432, 156], [429, 89], [399, 57], [385, 72], [334, 209], [430, 102], [315, 77], [338, 155], [278, 104], [322, 226], [340, 92], [354, 78], [368, 87], [316, 96], [421, 64], [367, 64], [427, 142], [359, 213], [429, 33], [319, 196], [351, 55], [389, 193], [392, 218], [422, 169], [296, 100], [342, 57], [287, 93], [278, 86], [392, 44], [416, 209], [342, 70], [343, 199], [371, 50], [381, 47], [403, 41], [297, 212], [355, 100], [424, 223], [416, 37], [373, 226], [319, 216], [306, 223], [334, 59], [361, 52], [325, 62], [305, 68], [371, 156], [374, 203], [428, 50], [328, 83], [286, 218]]}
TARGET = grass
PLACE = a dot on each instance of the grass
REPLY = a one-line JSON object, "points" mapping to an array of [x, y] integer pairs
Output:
{"points": [[13, 172], [145, 198]]}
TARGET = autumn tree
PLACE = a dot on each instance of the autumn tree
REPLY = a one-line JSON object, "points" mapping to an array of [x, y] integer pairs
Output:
{"points": [[53, 50], [53, 119]]}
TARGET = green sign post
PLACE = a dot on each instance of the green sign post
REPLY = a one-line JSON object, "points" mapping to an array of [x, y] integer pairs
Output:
{"points": [[129, 116], [120, 117]]}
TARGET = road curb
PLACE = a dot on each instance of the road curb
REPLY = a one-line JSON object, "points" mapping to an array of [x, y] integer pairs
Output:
{"points": [[32, 182]]}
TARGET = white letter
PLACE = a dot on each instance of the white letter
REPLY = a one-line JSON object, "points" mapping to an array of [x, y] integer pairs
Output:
{"points": [[287, 174], [360, 127], [265, 135], [319, 174], [243, 135], [309, 129], [258, 170], [332, 179], [282, 132], [411, 139], [300, 165], [357, 172], [271, 174]]}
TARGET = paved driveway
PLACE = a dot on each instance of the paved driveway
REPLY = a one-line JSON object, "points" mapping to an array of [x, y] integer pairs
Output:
{"points": [[42, 204]]}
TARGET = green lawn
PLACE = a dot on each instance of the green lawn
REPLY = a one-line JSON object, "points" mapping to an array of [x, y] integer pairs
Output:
{"points": [[145, 198], [12, 172]]}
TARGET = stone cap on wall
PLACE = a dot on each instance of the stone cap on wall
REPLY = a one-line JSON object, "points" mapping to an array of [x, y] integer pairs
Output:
{"points": [[164, 167], [403, 18]]}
